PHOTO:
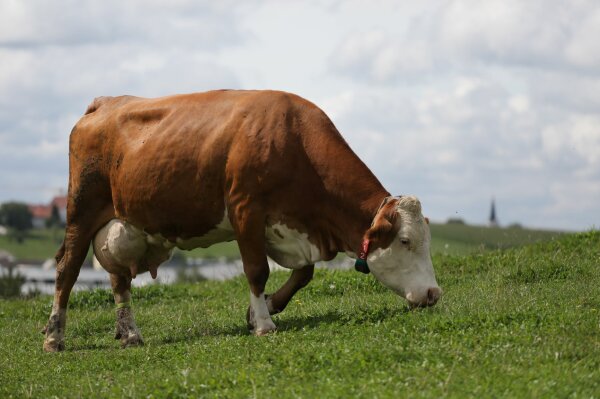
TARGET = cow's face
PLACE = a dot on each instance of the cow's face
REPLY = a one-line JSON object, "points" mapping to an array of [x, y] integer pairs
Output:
{"points": [[400, 256]]}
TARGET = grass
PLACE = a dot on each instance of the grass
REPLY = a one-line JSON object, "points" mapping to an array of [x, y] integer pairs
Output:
{"points": [[522, 322], [459, 239], [40, 244], [454, 239]]}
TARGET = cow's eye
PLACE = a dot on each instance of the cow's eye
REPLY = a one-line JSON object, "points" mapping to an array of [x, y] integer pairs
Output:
{"points": [[405, 241]]}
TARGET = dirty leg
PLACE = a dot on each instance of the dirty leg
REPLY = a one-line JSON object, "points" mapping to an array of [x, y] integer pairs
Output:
{"points": [[126, 330], [70, 258], [55, 329]]}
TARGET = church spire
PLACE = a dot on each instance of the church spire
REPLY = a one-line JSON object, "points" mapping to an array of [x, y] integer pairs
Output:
{"points": [[493, 222]]}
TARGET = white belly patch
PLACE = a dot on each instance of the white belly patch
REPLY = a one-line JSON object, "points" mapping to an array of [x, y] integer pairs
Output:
{"points": [[289, 247]]}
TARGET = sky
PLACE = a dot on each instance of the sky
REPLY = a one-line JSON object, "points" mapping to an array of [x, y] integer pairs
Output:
{"points": [[456, 102]]}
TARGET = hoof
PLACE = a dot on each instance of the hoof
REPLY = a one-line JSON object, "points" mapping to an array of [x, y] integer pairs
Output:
{"points": [[131, 340], [51, 345], [250, 313], [264, 331], [259, 332]]}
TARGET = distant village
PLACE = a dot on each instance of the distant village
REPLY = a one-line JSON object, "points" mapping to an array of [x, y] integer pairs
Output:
{"points": [[41, 213]]}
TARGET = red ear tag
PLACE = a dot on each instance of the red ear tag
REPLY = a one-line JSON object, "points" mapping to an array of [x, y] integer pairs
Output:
{"points": [[361, 263], [364, 250]]}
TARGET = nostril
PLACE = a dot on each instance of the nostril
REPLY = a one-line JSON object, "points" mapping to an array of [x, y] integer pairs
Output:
{"points": [[433, 294]]}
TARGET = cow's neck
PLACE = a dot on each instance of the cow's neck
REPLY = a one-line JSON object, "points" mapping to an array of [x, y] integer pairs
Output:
{"points": [[355, 196], [358, 217]]}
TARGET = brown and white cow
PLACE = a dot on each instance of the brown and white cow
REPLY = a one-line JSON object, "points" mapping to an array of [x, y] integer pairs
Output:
{"points": [[266, 168]]}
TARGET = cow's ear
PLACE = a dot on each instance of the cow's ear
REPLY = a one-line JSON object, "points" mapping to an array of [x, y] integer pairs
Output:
{"points": [[385, 226]]}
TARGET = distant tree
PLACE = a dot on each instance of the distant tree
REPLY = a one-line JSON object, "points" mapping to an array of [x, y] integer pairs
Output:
{"points": [[455, 221], [17, 217], [55, 223]]}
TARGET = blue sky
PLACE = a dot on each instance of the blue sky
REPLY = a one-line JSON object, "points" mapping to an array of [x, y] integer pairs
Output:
{"points": [[453, 101]]}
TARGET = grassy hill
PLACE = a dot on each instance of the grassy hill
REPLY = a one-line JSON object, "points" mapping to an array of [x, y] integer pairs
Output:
{"points": [[453, 239], [522, 322], [458, 239]]}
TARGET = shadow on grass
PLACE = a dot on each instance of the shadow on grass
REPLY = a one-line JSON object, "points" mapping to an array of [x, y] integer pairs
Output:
{"points": [[294, 323], [365, 316]]}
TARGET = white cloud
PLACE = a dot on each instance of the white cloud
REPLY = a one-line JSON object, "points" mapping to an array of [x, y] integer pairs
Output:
{"points": [[578, 137], [202, 24], [502, 96], [56, 57], [461, 35], [455, 101]]}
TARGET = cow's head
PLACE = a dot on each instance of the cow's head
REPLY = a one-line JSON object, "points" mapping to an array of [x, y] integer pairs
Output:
{"points": [[399, 254]]}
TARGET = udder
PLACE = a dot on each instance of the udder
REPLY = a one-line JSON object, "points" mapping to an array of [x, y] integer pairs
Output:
{"points": [[121, 248]]}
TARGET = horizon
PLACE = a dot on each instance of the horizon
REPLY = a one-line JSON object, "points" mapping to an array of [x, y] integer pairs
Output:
{"points": [[448, 220]]}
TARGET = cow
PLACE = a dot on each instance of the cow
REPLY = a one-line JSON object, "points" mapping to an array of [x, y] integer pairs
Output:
{"points": [[267, 169]]}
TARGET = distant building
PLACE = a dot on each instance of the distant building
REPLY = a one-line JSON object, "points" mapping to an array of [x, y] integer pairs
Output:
{"points": [[61, 204], [39, 215], [42, 212], [493, 222]]}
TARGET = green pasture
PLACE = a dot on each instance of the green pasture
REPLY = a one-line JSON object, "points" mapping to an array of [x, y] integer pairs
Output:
{"points": [[522, 322], [455, 239]]}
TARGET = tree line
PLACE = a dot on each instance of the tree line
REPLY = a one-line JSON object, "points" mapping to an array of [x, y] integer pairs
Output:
{"points": [[17, 218]]}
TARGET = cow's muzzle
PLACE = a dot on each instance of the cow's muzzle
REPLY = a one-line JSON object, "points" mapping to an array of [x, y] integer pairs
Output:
{"points": [[433, 295]]}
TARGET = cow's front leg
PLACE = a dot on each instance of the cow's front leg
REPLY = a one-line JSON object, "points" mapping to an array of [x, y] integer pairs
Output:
{"points": [[250, 231], [278, 301], [126, 330]]}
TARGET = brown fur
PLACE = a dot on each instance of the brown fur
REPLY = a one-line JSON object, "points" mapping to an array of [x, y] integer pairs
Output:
{"points": [[386, 225], [173, 165]]}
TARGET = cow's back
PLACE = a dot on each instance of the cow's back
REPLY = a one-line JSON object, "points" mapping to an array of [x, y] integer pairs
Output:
{"points": [[172, 162]]}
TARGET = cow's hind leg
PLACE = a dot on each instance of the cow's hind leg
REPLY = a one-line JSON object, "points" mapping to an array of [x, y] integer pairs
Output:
{"points": [[278, 301], [126, 330], [70, 257], [87, 211]]}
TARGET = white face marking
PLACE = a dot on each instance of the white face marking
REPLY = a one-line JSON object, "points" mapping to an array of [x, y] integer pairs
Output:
{"points": [[262, 319], [406, 269], [289, 247]]}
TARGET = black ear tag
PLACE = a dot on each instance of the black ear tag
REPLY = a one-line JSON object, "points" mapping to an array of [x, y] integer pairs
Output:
{"points": [[361, 266]]}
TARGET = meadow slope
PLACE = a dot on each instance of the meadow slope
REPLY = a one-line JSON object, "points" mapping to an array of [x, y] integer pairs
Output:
{"points": [[451, 239], [522, 322]]}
